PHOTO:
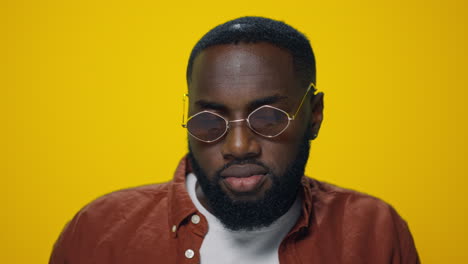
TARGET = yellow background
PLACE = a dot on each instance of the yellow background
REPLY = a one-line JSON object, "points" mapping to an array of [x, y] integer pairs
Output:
{"points": [[90, 102]]}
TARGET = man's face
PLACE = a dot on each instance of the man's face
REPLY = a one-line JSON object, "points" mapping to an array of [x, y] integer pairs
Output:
{"points": [[244, 172]]}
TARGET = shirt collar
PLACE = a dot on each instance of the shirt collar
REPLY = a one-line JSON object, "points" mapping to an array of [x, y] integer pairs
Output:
{"points": [[179, 203]]}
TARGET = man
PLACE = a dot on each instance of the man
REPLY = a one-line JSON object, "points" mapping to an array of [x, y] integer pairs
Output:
{"points": [[240, 195]]}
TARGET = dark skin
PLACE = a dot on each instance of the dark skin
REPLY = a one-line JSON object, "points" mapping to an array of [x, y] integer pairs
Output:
{"points": [[233, 80]]}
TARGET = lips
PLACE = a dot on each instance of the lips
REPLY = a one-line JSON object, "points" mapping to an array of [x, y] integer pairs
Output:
{"points": [[244, 178], [242, 171]]}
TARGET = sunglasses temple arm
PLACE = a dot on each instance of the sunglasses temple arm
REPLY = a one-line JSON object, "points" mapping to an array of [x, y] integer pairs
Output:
{"points": [[183, 110], [311, 86]]}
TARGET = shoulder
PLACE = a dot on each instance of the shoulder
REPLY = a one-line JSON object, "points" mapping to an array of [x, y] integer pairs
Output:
{"points": [[113, 223], [354, 210], [125, 209], [124, 201], [359, 219], [113, 219], [364, 223], [125, 204], [347, 199]]}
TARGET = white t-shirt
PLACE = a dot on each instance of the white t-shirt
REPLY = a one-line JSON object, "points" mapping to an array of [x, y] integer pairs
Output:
{"points": [[222, 245]]}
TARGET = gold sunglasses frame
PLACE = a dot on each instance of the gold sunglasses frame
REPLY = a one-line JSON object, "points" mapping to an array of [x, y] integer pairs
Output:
{"points": [[290, 118]]}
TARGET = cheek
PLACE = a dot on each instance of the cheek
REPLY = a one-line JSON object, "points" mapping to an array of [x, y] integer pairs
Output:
{"points": [[208, 156], [279, 153], [278, 156]]}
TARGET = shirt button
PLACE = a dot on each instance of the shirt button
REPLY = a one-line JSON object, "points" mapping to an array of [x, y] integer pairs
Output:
{"points": [[189, 253], [195, 219], [174, 228]]}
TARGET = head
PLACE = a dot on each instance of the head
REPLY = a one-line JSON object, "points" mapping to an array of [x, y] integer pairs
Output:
{"points": [[245, 179]]}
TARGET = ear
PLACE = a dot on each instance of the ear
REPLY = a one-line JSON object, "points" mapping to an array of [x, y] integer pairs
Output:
{"points": [[317, 114]]}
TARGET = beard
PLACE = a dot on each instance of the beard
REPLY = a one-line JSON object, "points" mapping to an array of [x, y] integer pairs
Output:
{"points": [[253, 214]]}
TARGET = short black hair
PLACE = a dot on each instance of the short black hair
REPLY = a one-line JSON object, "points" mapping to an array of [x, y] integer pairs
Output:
{"points": [[259, 29]]}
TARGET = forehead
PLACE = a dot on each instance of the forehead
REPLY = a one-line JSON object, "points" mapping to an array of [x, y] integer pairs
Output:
{"points": [[237, 72]]}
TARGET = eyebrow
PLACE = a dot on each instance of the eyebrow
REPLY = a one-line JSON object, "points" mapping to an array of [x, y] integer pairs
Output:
{"points": [[266, 101], [204, 104]]}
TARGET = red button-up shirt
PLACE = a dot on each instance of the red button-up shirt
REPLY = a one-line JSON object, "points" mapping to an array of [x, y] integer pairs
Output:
{"points": [[156, 224]]}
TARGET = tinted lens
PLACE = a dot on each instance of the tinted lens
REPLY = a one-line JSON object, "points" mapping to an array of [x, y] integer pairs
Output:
{"points": [[206, 126], [268, 121]]}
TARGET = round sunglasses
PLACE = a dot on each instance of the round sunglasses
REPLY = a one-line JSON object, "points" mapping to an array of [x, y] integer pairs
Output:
{"points": [[267, 121]]}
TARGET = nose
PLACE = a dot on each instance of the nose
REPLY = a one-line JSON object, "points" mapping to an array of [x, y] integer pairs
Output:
{"points": [[240, 142]]}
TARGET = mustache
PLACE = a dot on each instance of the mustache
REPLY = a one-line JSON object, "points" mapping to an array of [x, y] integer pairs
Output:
{"points": [[241, 162]]}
